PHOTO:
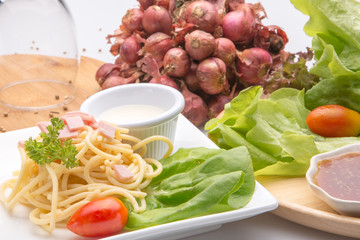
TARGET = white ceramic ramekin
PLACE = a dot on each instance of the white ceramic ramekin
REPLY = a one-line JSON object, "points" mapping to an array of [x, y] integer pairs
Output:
{"points": [[167, 98], [346, 207]]}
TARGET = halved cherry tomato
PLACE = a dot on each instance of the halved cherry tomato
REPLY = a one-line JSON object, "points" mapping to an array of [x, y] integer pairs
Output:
{"points": [[100, 217], [334, 121]]}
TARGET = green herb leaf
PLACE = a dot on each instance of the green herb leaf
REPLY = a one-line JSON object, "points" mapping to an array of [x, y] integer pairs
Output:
{"points": [[273, 130], [51, 148]]}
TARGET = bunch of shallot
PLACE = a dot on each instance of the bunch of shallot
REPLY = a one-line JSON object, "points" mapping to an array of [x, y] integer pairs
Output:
{"points": [[207, 49]]}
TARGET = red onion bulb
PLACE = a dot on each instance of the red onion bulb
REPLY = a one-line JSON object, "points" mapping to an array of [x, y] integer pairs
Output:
{"points": [[129, 50], [195, 108], [234, 4], [103, 72], [157, 45], [253, 65], [176, 62], [203, 14], [113, 81], [225, 50], [146, 3], [157, 19], [168, 4], [199, 44], [211, 74], [132, 20], [165, 80], [239, 25], [191, 80], [216, 104]]}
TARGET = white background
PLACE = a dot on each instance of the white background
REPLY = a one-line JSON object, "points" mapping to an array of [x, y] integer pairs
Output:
{"points": [[95, 19]]}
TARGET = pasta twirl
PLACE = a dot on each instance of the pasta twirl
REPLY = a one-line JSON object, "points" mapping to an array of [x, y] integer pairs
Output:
{"points": [[55, 192]]}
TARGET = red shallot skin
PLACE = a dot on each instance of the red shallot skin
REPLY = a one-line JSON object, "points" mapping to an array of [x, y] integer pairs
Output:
{"points": [[168, 4], [225, 50], [113, 81], [132, 20], [271, 38], [181, 32], [146, 3], [165, 80], [195, 109], [234, 4], [176, 62], [129, 50], [191, 80], [211, 73], [199, 44], [157, 19], [216, 104], [231, 75], [203, 14], [253, 65], [104, 71], [240, 25], [157, 45], [122, 64], [221, 5], [119, 35], [148, 65]]}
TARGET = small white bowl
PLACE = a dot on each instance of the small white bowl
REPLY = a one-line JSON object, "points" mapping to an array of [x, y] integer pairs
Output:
{"points": [[345, 207], [170, 100]]}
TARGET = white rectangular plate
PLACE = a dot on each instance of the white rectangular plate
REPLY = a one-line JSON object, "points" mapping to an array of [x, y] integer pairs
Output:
{"points": [[17, 225]]}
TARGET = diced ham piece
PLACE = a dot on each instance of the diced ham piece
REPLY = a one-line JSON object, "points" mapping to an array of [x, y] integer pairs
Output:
{"points": [[43, 125], [70, 130], [106, 129], [87, 118], [67, 133], [94, 125], [74, 123], [124, 174]]}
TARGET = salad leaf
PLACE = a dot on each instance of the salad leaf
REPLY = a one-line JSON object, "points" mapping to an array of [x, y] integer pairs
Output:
{"points": [[335, 28], [291, 72], [344, 91], [195, 182], [276, 134]]}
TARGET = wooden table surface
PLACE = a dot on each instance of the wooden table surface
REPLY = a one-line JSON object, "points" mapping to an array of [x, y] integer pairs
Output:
{"points": [[13, 119]]}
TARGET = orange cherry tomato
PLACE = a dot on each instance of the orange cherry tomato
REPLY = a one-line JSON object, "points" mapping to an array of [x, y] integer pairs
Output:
{"points": [[334, 121], [100, 217]]}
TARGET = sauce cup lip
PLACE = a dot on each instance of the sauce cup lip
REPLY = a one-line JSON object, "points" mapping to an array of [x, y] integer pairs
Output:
{"points": [[313, 168], [179, 103]]}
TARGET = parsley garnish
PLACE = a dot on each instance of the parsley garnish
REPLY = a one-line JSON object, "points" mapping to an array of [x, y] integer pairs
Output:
{"points": [[51, 148]]}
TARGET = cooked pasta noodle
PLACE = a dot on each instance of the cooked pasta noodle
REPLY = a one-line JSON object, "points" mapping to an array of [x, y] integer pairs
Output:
{"points": [[55, 192]]}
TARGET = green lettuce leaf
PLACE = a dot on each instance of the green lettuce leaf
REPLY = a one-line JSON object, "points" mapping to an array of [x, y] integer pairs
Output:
{"points": [[344, 91], [335, 28], [276, 134], [195, 182]]}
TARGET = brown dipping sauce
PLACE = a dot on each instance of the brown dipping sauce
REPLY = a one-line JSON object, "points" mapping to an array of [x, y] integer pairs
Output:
{"points": [[340, 176]]}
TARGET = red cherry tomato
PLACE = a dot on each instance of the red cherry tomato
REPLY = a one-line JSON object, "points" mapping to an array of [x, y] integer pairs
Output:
{"points": [[100, 217], [334, 121]]}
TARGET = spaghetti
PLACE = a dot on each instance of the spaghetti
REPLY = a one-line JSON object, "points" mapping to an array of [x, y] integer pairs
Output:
{"points": [[55, 192]]}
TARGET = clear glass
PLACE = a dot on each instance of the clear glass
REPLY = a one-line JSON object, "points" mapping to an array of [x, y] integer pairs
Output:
{"points": [[39, 56]]}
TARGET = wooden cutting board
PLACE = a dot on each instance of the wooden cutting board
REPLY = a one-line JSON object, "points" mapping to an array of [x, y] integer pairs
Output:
{"points": [[296, 201], [85, 84]]}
